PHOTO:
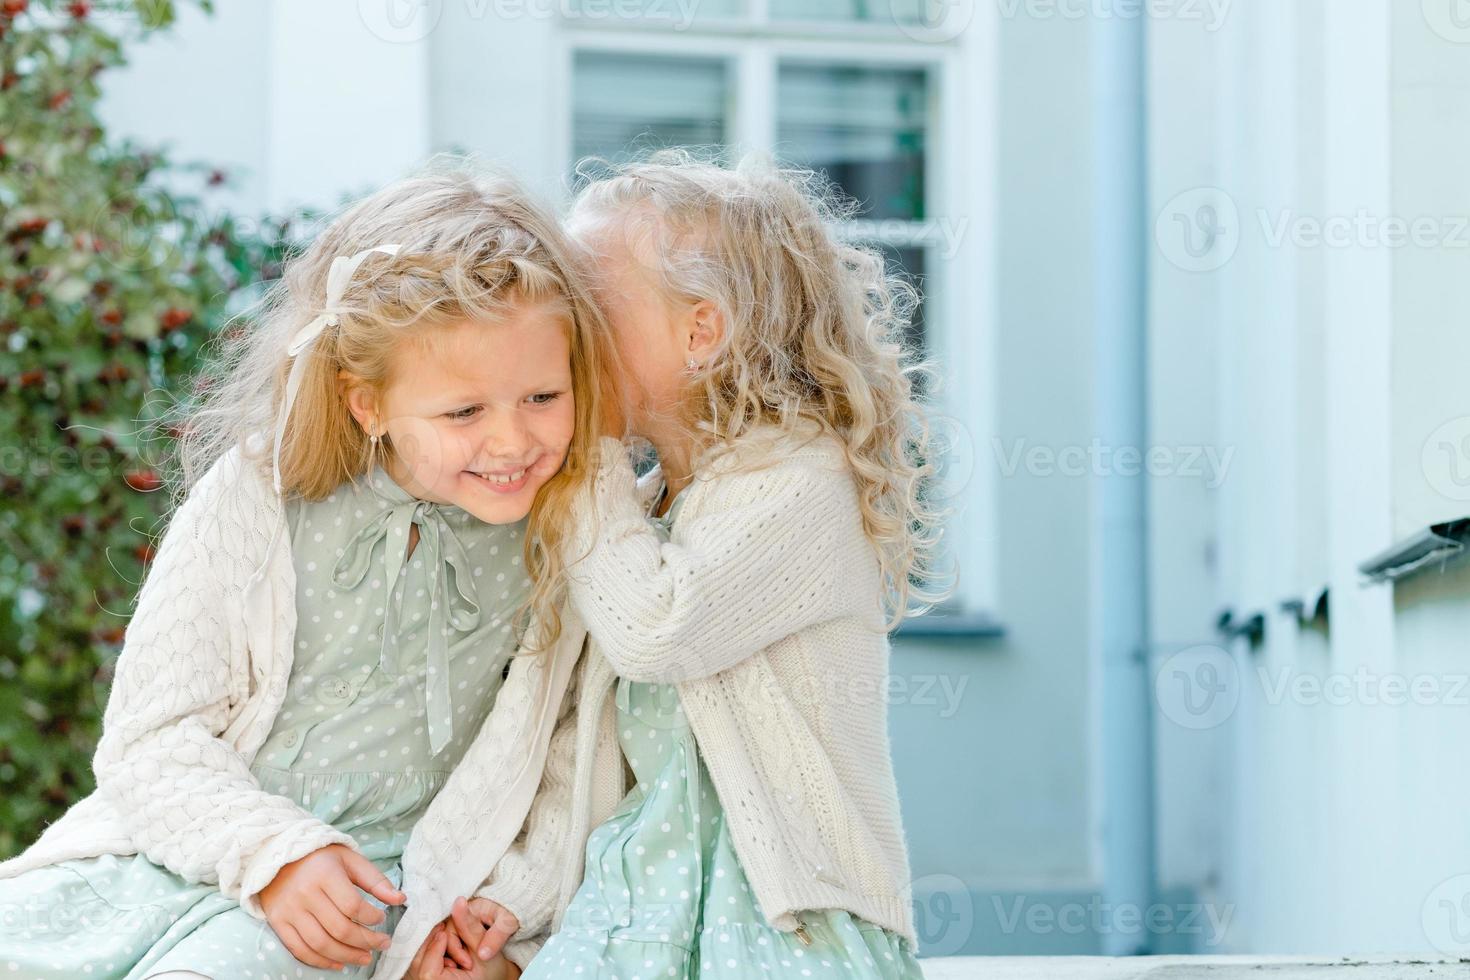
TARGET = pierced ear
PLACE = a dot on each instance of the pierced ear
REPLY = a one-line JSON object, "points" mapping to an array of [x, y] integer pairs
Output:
{"points": [[361, 400], [707, 331]]}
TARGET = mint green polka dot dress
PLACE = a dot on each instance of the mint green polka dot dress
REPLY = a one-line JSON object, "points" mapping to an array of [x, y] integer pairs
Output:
{"points": [[664, 894], [397, 663]]}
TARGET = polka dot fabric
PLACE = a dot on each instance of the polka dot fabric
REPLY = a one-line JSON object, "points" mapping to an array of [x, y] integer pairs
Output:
{"points": [[350, 745], [664, 894]]}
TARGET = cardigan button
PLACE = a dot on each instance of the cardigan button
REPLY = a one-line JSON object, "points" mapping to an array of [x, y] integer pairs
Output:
{"points": [[290, 739], [335, 690]]}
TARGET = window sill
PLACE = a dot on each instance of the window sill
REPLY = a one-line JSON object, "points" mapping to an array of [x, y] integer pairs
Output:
{"points": [[1435, 545], [968, 626]]}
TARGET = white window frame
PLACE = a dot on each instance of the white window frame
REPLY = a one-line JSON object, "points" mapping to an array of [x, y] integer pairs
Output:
{"points": [[959, 180]]}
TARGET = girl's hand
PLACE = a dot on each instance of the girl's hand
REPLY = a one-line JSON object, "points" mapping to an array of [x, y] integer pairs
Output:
{"points": [[315, 907], [434, 960], [483, 925]]}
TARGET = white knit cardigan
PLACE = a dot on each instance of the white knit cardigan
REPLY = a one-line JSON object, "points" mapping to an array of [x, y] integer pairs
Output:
{"points": [[764, 611], [202, 674]]}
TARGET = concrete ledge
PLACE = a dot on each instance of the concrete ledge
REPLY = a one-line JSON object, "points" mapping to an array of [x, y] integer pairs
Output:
{"points": [[1190, 968]]}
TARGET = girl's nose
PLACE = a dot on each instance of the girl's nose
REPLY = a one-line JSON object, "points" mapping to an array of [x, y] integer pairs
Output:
{"points": [[508, 437]]}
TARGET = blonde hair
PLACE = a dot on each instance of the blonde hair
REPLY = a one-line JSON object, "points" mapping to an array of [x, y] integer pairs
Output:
{"points": [[813, 339], [473, 246]]}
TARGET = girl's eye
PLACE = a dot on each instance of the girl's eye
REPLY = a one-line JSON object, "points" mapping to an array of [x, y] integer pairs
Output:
{"points": [[464, 413], [545, 397]]}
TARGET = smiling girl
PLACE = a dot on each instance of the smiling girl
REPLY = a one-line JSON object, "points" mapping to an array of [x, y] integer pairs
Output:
{"points": [[299, 735]]}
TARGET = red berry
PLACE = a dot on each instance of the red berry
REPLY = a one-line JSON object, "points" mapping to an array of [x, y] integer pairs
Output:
{"points": [[143, 481], [9, 80], [112, 636], [14, 8], [60, 100], [33, 378], [216, 178], [79, 9], [144, 553], [174, 317], [112, 317]]}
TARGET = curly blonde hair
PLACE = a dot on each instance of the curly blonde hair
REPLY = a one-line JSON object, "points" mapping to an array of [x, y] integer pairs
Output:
{"points": [[474, 245], [813, 339]]}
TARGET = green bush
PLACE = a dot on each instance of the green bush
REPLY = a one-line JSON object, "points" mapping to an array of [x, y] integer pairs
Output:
{"points": [[114, 273]]}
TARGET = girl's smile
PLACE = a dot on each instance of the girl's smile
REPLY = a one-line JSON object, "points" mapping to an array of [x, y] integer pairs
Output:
{"points": [[479, 415]]}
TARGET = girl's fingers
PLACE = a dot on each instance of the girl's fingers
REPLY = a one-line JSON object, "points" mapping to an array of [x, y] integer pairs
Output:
{"points": [[319, 939], [470, 928], [434, 961], [487, 912], [365, 875], [334, 920], [366, 912], [499, 933], [292, 940], [458, 951]]}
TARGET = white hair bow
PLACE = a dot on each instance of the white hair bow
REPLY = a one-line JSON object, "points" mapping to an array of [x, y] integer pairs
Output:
{"points": [[338, 278]]}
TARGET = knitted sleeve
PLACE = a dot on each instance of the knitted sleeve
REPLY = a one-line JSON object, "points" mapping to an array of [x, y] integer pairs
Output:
{"points": [[188, 797], [761, 560], [527, 877]]}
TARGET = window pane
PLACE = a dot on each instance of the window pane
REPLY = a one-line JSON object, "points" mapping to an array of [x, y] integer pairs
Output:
{"points": [[626, 102], [864, 127], [867, 11]]}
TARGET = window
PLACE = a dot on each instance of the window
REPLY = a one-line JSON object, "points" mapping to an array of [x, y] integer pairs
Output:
{"points": [[864, 125], [855, 89], [625, 102]]}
